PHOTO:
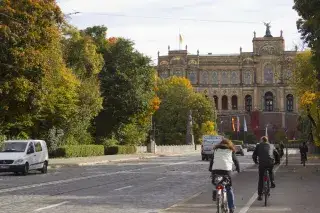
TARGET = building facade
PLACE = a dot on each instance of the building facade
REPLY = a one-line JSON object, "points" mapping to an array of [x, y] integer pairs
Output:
{"points": [[252, 85]]}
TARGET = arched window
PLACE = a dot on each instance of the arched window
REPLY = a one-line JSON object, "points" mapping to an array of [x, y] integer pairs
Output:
{"points": [[248, 103], [268, 74], [215, 98], [224, 102], [234, 102], [268, 101], [289, 103]]}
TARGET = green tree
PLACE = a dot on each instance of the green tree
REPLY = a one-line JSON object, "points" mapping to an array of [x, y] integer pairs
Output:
{"points": [[127, 84], [82, 57], [309, 27], [177, 98], [37, 91]]}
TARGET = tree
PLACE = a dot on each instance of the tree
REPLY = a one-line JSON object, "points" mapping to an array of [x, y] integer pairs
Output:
{"points": [[37, 91], [82, 57], [127, 85], [309, 27], [305, 84], [177, 98]]}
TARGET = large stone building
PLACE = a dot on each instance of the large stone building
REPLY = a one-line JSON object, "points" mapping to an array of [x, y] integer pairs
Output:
{"points": [[248, 84]]}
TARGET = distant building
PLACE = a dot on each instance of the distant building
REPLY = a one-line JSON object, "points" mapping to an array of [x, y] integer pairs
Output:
{"points": [[251, 84]]}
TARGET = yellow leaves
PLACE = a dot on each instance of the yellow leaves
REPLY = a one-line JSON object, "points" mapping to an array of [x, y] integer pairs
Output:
{"points": [[179, 81], [208, 128], [307, 98], [112, 40], [155, 103]]}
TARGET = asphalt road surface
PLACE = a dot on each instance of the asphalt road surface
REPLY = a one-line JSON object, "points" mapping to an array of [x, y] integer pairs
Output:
{"points": [[146, 186]]}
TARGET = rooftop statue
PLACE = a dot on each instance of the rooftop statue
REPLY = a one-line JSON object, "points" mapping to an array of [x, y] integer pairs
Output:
{"points": [[268, 32]]}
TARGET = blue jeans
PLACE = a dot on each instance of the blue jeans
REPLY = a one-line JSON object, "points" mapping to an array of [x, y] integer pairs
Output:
{"points": [[230, 197]]}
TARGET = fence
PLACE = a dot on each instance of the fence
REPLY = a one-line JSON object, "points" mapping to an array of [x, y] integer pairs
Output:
{"points": [[178, 149]]}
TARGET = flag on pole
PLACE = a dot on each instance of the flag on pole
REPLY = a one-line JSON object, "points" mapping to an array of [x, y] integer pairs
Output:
{"points": [[238, 124], [233, 124], [245, 129], [180, 38]]}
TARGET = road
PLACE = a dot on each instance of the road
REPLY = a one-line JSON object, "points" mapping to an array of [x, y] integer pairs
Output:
{"points": [[145, 186]]}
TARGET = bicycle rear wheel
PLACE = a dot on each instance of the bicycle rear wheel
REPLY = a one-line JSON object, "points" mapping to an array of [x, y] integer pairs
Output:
{"points": [[219, 210]]}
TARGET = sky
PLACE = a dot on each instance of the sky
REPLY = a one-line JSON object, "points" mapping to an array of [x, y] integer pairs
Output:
{"points": [[212, 26]]}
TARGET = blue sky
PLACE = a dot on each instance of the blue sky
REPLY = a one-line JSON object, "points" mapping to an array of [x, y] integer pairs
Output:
{"points": [[216, 26]]}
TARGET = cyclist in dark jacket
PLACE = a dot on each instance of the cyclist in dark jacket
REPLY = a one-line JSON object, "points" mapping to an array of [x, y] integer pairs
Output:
{"points": [[268, 157], [303, 151]]}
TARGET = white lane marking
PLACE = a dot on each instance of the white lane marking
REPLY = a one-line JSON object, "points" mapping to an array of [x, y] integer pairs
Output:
{"points": [[83, 178], [254, 196], [126, 187], [161, 178], [272, 209], [51, 206]]}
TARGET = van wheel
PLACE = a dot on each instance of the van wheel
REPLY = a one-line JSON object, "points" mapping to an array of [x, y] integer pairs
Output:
{"points": [[44, 169], [25, 169]]}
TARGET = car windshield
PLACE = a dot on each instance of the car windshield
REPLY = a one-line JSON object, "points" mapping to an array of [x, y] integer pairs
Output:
{"points": [[13, 147]]}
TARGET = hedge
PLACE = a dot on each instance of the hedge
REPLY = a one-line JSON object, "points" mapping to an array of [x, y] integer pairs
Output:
{"points": [[79, 151], [296, 141], [114, 150], [237, 142]]}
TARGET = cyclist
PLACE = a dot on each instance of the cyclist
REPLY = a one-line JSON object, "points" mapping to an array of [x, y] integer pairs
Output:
{"points": [[221, 163], [268, 156], [303, 151]]}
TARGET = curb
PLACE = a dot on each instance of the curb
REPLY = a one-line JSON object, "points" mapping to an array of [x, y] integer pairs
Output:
{"points": [[104, 162]]}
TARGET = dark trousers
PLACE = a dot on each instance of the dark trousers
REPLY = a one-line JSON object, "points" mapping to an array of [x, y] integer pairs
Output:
{"points": [[303, 154], [261, 173]]}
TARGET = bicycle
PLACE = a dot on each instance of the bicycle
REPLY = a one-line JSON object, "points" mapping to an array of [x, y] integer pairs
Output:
{"points": [[266, 186], [221, 182]]}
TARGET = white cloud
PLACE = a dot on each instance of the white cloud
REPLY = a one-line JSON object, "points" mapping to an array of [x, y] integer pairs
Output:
{"points": [[128, 18]]}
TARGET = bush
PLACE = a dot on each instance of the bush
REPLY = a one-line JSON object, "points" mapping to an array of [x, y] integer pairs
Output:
{"points": [[296, 141], [236, 142], [79, 151], [116, 150]]}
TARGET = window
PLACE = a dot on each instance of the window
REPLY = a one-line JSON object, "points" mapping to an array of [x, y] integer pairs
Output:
{"points": [[268, 74], [215, 98], [268, 101], [224, 102], [192, 75], [289, 103], [30, 148], [38, 147], [248, 103], [234, 102]]}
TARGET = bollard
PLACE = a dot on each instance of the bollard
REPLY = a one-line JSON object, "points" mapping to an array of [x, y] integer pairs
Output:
{"points": [[287, 155]]}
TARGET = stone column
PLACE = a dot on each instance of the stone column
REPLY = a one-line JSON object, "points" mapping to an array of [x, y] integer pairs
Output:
{"points": [[256, 98], [281, 99]]}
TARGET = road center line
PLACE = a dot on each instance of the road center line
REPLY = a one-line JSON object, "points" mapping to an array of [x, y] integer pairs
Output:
{"points": [[161, 178], [51, 206], [84, 178], [119, 189], [255, 195]]}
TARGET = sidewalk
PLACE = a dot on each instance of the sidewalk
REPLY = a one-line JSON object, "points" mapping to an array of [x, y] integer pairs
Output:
{"points": [[87, 161], [297, 191]]}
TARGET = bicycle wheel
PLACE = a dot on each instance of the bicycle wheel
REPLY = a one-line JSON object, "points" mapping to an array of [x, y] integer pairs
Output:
{"points": [[266, 188], [218, 204], [225, 203]]}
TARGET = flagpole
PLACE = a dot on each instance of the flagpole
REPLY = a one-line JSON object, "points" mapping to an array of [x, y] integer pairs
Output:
{"points": [[179, 40]]}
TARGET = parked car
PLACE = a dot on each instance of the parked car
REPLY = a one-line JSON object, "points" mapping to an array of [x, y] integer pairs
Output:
{"points": [[21, 156], [239, 150], [251, 147]]}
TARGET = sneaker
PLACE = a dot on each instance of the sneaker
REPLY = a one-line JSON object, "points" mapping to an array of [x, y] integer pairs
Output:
{"points": [[260, 197], [214, 195], [231, 210], [273, 185]]}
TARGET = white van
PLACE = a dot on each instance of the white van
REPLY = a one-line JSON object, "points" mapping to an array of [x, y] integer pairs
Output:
{"points": [[21, 156], [208, 144]]}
